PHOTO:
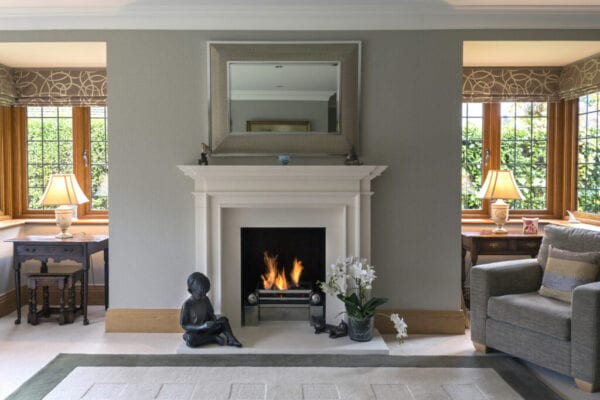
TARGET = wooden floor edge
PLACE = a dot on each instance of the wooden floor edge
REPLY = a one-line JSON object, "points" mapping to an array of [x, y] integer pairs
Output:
{"points": [[423, 321], [167, 321], [143, 320], [8, 299]]}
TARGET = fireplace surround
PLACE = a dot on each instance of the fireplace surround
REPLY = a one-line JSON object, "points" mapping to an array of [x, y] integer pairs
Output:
{"points": [[229, 198]]}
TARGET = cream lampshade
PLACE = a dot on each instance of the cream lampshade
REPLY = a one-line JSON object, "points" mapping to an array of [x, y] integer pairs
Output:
{"points": [[500, 185], [63, 191]]}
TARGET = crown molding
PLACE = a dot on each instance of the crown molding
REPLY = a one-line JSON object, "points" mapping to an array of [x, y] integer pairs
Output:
{"points": [[304, 18]]}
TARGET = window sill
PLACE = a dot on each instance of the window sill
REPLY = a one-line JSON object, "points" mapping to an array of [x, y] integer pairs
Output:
{"points": [[9, 223], [516, 221]]}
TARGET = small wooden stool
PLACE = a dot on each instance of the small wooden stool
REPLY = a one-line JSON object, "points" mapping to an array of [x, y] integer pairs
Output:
{"points": [[62, 281]]}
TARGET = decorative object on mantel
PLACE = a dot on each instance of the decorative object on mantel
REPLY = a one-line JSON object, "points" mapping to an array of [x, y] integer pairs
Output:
{"points": [[63, 191], [204, 155], [500, 185], [198, 318], [283, 159], [352, 158], [350, 281]]}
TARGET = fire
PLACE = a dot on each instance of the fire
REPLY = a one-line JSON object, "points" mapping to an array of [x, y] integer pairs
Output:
{"points": [[275, 279], [296, 272]]}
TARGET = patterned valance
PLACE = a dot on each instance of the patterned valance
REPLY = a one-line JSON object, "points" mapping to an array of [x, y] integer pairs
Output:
{"points": [[60, 87], [580, 78], [8, 92], [482, 84]]}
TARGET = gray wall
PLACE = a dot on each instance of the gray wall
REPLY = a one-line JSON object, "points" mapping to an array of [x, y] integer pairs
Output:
{"points": [[410, 121], [256, 110]]}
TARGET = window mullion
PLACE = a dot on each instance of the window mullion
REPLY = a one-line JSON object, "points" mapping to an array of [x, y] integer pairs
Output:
{"points": [[81, 146]]}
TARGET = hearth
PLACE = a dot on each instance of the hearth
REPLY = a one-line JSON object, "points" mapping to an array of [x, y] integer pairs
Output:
{"points": [[280, 270]]}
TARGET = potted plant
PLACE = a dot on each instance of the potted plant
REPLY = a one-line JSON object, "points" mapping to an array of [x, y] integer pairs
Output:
{"points": [[350, 280]]}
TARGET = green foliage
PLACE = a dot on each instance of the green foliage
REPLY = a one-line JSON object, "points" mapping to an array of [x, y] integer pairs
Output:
{"points": [[99, 159], [523, 150], [472, 150], [355, 309], [50, 151]]}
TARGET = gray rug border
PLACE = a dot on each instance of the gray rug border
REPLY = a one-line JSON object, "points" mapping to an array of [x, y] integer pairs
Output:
{"points": [[513, 371]]}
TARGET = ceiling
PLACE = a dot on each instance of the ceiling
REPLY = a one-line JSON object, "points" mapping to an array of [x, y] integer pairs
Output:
{"points": [[298, 15], [526, 53], [53, 54], [475, 54]]}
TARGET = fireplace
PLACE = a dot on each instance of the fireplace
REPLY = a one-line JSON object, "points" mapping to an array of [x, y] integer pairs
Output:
{"points": [[229, 198], [280, 268]]}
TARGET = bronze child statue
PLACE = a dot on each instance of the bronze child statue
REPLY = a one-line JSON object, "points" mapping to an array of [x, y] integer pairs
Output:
{"points": [[198, 318]]}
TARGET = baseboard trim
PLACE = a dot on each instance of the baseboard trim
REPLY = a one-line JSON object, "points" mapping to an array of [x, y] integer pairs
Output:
{"points": [[8, 300], [142, 320], [424, 321], [167, 321]]}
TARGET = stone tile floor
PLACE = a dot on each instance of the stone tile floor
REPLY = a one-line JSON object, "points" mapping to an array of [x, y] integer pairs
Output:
{"points": [[25, 349]]}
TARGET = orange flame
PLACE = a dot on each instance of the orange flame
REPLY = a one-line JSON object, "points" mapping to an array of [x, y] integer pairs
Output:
{"points": [[280, 282], [271, 273], [296, 272], [273, 278]]}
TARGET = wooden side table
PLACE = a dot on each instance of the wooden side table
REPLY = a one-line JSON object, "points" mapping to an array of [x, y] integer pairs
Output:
{"points": [[79, 248], [488, 243]]}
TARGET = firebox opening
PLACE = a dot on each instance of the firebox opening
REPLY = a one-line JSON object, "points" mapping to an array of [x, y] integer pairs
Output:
{"points": [[280, 270]]}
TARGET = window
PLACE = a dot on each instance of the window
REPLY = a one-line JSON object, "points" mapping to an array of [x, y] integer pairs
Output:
{"points": [[49, 148], [98, 159], [65, 140], [523, 150], [472, 150], [588, 154], [506, 135]]}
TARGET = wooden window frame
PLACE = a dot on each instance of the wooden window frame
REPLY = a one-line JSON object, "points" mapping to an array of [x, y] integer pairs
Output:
{"points": [[81, 143], [6, 127], [561, 159]]}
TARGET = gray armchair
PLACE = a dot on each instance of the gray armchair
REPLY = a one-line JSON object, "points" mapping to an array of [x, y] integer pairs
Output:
{"points": [[508, 314]]}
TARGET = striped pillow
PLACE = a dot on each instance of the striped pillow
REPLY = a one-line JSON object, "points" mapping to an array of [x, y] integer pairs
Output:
{"points": [[565, 270]]}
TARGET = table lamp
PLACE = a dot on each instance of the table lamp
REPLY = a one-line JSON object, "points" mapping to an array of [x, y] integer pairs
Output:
{"points": [[63, 191], [499, 185]]}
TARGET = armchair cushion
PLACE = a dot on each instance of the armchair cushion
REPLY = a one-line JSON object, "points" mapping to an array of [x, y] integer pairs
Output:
{"points": [[534, 312], [565, 270], [568, 238]]}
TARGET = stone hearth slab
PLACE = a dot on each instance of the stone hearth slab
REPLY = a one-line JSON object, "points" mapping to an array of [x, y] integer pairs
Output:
{"points": [[290, 340]]}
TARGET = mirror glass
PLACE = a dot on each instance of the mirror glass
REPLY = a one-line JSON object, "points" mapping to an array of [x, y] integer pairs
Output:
{"points": [[284, 97]]}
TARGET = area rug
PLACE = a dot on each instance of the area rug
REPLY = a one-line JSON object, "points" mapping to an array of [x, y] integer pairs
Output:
{"points": [[283, 377]]}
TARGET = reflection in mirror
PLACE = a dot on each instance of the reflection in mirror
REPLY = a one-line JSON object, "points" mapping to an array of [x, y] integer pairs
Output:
{"points": [[283, 97]]}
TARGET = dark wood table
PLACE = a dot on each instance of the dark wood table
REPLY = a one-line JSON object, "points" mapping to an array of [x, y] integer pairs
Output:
{"points": [[484, 242], [79, 248]]}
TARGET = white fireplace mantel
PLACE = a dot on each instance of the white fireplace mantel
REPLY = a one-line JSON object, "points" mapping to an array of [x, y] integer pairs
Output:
{"points": [[230, 197]]}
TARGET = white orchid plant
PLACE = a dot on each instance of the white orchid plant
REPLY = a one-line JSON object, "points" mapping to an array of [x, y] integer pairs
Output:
{"points": [[400, 326], [350, 280]]}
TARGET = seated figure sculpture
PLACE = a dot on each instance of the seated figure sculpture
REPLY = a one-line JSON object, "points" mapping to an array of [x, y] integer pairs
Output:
{"points": [[198, 318]]}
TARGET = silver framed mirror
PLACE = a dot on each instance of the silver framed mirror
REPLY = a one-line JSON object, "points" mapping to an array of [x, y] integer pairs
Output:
{"points": [[296, 98]]}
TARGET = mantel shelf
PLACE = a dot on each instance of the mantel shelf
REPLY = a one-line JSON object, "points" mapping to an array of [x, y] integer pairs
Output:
{"points": [[322, 172]]}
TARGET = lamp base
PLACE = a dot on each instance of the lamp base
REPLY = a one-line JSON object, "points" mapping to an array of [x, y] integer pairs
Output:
{"points": [[64, 216], [63, 235], [499, 214]]}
